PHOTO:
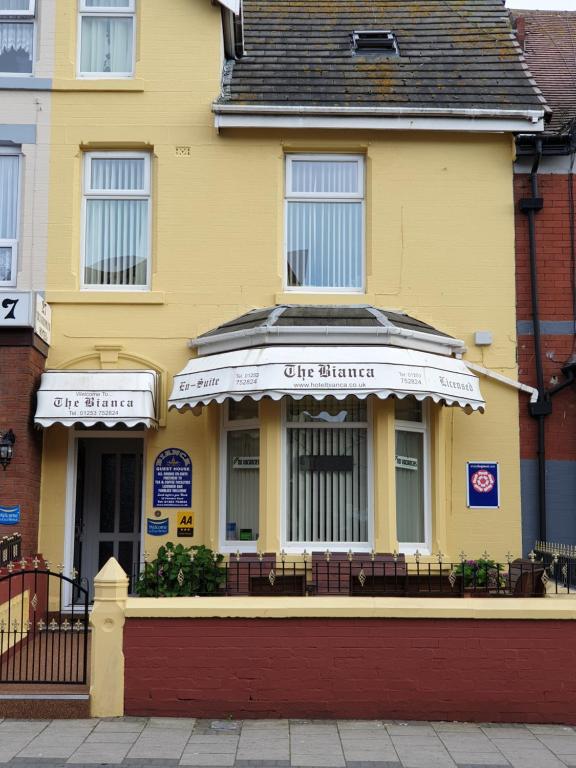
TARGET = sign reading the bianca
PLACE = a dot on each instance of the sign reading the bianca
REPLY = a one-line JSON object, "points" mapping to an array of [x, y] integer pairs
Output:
{"points": [[278, 371], [173, 480], [483, 485]]}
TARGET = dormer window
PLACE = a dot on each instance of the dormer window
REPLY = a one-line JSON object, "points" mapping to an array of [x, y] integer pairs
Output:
{"points": [[375, 41]]}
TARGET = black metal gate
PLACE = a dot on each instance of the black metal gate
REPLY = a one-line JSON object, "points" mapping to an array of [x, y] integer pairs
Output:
{"points": [[43, 626]]}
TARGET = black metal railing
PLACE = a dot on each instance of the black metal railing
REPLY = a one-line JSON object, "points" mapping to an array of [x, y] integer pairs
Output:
{"points": [[43, 626], [560, 559], [351, 574], [10, 549]]}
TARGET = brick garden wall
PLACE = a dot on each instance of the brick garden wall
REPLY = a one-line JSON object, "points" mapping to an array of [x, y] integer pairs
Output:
{"points": [[409, 669], [20, 371]]}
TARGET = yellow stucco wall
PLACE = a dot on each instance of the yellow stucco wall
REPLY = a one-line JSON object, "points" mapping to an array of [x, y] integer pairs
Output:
{"points": [[439, 245]]}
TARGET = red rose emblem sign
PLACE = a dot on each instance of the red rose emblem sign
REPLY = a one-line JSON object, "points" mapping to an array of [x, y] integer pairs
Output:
{"points": [[483, 481], [483, 485]]}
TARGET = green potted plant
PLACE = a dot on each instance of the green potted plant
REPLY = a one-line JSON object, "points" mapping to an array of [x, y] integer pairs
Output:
{"points": [[179, 571], [481, 575]]}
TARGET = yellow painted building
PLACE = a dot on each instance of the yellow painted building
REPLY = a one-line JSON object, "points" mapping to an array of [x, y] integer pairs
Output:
{"points": [[170, 216]]}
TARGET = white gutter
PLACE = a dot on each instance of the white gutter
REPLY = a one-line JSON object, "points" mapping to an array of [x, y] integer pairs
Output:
{"points": [[503, 380], [262, 336], [377, 118], [532, 115]]}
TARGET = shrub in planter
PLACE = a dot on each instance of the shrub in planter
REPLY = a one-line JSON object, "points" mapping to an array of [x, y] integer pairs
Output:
{"points": [[481, 574], [180, 571]]}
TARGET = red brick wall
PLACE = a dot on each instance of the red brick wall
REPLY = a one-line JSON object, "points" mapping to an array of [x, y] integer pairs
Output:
{"points": [[555, 289], [501, 671], [20, 370]]}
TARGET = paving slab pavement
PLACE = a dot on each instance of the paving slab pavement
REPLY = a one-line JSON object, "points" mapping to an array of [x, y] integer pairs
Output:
{"points": [[165, 742]]}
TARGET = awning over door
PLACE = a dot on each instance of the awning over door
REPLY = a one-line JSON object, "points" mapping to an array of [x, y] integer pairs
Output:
{"points": [[97, 397], [296, 371]]}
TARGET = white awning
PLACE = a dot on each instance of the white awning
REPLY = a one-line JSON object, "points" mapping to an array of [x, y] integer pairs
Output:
{"points": [[97, 397], [277, 371], [232, 5]]}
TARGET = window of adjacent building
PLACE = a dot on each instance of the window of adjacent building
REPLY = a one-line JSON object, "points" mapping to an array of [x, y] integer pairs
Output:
{"points": [[325, 222], [107, 34], [412, 505], [241, 474], [17, 36], [116, 220], [9, 215], [327, 452]]}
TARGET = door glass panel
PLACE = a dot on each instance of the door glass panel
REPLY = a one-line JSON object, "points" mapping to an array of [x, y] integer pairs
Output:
{"points": [[128, 492], [105, 552], [242, 492], [126, 556], [107, 492]]}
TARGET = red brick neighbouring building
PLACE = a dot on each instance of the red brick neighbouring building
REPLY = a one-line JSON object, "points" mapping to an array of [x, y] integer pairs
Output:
{"points": [[22, 360], [548, 39]]}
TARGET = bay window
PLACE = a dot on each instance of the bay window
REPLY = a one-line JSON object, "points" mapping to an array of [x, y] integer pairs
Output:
{"points": [[241, 475], [327, 448], [9, 214], [412, 504], [106, 35], [325, 222], [116, 220], [17, 37]]}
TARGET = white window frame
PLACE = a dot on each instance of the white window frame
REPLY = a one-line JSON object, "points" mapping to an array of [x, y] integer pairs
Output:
{"points": [[14, 243], [303, 197], [234, 425], [296, 548], [116, 194], [22, 17], [120, 13], [422, 427]]}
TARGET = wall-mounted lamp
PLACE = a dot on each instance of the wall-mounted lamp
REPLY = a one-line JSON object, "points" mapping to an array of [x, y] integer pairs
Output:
{"points": [[7, 441]]}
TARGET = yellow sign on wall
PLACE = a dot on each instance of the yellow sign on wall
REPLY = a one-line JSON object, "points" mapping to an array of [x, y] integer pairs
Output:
{"points": [[185, 525]]}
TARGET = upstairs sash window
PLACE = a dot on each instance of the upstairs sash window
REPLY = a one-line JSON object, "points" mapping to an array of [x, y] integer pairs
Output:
{"points": [[327, 473], [107, 32], [117, 220], [9, 215], [325, 222], [17, 37]]}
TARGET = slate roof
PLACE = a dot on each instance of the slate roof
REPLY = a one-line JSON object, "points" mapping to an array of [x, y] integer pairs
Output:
{"points": [[549, 42], [453, 54], [315, 316]]}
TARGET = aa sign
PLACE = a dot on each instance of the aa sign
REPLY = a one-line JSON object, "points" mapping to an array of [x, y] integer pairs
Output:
{"points": [[185, 525]]}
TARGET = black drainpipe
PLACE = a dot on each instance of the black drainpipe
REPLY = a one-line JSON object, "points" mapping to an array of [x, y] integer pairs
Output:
{"points": [[543, 407]]}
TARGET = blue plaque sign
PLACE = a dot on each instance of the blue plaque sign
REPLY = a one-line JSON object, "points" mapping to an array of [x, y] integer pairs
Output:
{"points": [[9, 515], [157, 527], [483, 485], [173, 480]]}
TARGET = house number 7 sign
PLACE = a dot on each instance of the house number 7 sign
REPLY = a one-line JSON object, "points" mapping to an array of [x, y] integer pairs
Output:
{"points": [[15, 309]]}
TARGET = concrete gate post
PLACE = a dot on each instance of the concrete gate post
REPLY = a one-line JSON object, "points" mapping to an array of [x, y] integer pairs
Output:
{"points": [[107, 655]]}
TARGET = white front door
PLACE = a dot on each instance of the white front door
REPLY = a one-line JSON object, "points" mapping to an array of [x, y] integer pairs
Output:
{"points": [[108, 504]]}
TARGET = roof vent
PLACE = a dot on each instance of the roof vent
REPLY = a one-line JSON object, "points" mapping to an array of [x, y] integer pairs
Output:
{"points": [[380, 41]]}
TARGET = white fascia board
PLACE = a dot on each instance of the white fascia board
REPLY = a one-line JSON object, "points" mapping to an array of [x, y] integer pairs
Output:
{"points": [[477, 124], [232, 5]]}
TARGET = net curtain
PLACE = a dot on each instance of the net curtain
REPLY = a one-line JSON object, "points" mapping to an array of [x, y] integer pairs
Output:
{"points": [[106, 44]]}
